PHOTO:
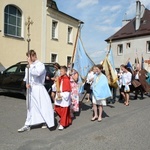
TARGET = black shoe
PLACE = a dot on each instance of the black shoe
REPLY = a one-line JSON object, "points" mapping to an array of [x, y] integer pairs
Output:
{"points": [[141, 98], [108, 102]]}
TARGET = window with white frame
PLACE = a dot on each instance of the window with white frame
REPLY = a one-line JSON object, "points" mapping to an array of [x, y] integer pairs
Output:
{"points": [[12, 21], [120, 49], [68, 59], [54, 58], [70, 31], [54, 29], [148, 46]]}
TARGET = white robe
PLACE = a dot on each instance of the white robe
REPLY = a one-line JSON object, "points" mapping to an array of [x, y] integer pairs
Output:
{"points": [[39, 106]]}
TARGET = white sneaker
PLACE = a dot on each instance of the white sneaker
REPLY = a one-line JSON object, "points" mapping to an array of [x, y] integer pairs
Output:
{"points": [[44, 126], [60, 127], [24, 128]]}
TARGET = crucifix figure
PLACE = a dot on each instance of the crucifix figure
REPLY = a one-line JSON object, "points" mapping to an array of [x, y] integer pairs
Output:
{"points": [[28, 23]]}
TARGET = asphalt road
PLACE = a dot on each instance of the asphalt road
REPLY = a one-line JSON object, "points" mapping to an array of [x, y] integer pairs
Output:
{"points": [[122, 128]]}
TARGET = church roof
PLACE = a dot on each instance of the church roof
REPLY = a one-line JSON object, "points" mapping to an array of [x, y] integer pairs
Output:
{"points": [[128, 31], [52, 4]]}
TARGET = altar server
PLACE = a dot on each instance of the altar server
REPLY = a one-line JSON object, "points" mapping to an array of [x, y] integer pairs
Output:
{"points": [[39, 106], [63, 99]]}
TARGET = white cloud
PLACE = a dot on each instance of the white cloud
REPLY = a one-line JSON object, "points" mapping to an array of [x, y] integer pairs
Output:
{"points": [[146, 3], [109, 20], [109, 15], [98, 55], [108, 29], [105, 8], [131, 10], [85, 3], [111, 8], [115, 8]]}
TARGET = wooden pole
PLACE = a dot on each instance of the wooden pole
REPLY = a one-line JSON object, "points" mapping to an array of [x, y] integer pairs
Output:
{"points": [[75, 45], [28, 23], [109, 46], [127, 61], [58, 89]]}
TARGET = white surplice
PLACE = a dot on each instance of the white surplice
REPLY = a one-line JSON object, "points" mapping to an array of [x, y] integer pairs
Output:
{"points": [[39, 107], [65, 98]]}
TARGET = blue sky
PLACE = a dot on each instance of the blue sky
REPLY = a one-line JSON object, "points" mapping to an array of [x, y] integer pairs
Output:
{"points": [[101, 18]]}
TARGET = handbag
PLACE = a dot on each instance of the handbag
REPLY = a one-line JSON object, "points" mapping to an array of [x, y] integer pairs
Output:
{"points": [[136, 83], [126, 88]]}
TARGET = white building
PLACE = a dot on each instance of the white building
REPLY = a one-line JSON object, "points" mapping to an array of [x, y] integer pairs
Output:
{"points": [[133, 39]]}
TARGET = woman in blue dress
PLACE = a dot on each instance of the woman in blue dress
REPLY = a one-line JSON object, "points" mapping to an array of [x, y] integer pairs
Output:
{"points": [[101, 92]]}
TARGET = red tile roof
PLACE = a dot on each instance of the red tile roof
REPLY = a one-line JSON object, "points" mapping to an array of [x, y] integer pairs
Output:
{"points": [[128, 31]]}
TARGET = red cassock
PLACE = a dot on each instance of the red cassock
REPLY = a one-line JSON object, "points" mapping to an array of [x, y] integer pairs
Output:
{"points": [[64, 112], [66, 87]]}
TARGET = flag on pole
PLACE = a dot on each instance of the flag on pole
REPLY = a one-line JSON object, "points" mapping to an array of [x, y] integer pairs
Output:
{"points": [[130, 66], [111, 59], [110, 73], [82, 64], [137, 62]]}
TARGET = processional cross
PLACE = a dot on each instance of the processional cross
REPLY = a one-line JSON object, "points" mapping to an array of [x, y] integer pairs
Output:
{"points": [[28, 24]]}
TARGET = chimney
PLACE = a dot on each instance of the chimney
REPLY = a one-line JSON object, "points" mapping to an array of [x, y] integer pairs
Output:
{"points": [[125, 20], [142, 10], [138, 14]]}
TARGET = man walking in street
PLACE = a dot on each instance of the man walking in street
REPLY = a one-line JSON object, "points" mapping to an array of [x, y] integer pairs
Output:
{"points": [[39, 106]]}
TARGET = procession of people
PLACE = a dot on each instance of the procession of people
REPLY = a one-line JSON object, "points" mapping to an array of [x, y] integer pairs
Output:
{"points": [[66, 96]]}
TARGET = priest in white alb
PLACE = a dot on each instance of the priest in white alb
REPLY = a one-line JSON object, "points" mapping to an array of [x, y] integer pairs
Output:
{"points": [[39, 106]]}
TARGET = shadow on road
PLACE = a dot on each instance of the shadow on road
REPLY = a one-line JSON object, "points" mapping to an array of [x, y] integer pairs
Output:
{"points": [[104, 115], [13, 95], [84, 107]]}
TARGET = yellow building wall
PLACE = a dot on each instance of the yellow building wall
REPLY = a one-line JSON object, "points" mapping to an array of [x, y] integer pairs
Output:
{"points": [[60, 47], [12, 50]]}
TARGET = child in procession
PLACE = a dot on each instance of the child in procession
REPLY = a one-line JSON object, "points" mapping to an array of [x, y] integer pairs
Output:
{"points": [[101, 92], [63, 99]]}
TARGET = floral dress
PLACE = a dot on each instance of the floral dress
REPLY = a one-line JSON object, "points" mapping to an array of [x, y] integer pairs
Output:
{"points": [[74, 95]]}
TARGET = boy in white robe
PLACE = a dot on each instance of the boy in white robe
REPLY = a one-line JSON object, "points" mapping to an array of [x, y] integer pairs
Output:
{"points": [[39, 106]]}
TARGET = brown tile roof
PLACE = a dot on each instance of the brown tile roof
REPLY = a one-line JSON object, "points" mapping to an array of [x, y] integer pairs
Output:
{"points": [[128, 31], [52, 4]]}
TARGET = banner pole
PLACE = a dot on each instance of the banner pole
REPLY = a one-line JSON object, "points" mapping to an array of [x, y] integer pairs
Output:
{"points": [[75, 45]]}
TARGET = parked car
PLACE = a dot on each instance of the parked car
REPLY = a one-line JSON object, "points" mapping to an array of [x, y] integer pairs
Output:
{"points": [[11, 80]]}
